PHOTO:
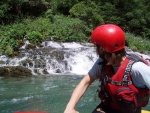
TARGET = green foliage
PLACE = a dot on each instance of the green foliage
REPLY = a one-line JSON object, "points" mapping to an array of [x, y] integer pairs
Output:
{"points": [[14, 35], [69, 29], [62, 6], [16, 31], [70, 20], [40, 25], [138, 18], [110, 13], [88, 12], [34, 37], [12, 10], [11, 37], [49, 14], [3, 9], [37, 30], [8, 45], [137, 43], [9, 51], [132, 15]]}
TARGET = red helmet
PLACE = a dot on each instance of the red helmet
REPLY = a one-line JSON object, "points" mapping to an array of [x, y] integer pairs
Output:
{"points": [[109, 36]]}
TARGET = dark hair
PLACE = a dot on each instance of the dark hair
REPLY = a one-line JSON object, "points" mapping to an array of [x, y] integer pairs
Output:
{"points": [[126, 43], [115, 57]]}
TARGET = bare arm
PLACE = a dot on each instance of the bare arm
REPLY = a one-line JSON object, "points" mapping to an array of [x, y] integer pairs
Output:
{"points": [[77, 94]]}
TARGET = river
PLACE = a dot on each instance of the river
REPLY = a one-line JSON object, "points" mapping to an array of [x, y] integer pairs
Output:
{"points": [[57, 68], [44, 93]]}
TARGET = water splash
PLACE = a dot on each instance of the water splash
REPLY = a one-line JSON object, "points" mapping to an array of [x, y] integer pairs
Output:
{"points": [[56, 58]]}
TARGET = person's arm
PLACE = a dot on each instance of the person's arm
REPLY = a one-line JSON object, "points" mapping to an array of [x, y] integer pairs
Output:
{"points": [[141, 75], [77, 93]]}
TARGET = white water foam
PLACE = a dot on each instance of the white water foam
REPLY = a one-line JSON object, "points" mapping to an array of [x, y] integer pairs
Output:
{"points": [[59, 58]]}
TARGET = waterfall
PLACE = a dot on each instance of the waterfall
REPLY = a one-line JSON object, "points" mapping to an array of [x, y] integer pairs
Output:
{"points": [[56, 58]]}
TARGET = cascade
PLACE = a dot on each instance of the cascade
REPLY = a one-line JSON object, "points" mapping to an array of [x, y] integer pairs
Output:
{"points": [[57, 58]]}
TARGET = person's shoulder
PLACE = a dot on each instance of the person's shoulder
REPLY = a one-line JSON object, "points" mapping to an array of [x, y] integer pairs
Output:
{"points": [[99, 60], [140, 66]]}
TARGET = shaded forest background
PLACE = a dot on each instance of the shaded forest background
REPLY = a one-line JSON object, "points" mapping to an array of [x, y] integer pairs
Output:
{"points": [[68, 20]]}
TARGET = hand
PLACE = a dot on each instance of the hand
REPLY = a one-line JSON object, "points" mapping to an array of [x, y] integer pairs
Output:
{"points": [[70, 111]]}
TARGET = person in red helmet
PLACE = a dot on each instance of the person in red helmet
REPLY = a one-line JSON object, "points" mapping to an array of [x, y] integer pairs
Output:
{"points": [[124, 87]]}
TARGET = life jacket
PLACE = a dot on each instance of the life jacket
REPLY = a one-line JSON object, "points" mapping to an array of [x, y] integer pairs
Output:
{"points": [[115, 87]]}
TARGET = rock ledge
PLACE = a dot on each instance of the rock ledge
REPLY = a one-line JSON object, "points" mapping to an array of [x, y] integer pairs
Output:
{"points": [[15, 71]]}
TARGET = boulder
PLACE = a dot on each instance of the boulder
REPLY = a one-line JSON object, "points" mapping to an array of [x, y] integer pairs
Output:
{"points": [[15, 71]]}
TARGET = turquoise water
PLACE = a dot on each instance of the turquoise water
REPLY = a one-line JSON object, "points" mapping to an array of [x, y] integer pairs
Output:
{"points": [[44, 93]]}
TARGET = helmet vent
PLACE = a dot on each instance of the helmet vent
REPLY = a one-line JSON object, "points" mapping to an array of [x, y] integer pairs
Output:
{"points": [[116, 45]]}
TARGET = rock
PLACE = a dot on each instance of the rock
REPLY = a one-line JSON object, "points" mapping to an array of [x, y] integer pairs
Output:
{"points": [[2, 62], [15, 71]]}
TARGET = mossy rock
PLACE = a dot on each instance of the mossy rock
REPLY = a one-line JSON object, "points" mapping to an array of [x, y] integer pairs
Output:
{"points": [[15, 71]]}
